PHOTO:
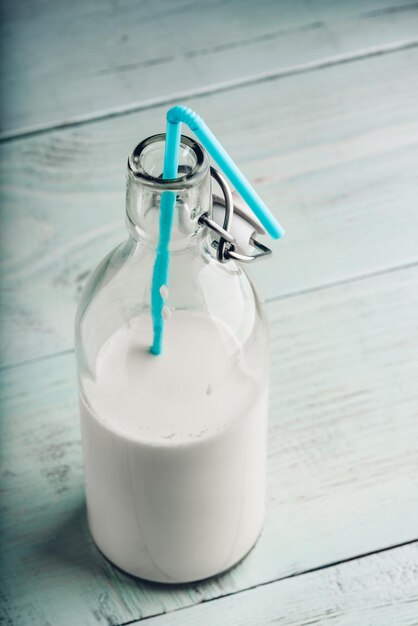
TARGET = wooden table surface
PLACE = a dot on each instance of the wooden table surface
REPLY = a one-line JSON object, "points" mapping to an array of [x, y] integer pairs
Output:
{"points": [[328, 95]]}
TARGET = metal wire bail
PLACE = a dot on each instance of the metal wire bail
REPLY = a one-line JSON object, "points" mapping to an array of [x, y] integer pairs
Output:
{"points": [[226, 247]]}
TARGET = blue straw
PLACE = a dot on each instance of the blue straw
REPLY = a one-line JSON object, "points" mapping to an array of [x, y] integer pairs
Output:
{"points": [[162, 261], [175, 116]]}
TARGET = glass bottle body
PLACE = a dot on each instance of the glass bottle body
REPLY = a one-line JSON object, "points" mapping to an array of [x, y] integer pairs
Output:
{"points": [[174, 445]]}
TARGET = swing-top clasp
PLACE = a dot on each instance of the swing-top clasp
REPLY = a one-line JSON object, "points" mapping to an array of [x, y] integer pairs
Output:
{"points": [[234, 227]]}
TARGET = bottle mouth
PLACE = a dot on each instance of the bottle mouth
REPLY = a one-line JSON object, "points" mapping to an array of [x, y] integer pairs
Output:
{"points": [[146, 163]]}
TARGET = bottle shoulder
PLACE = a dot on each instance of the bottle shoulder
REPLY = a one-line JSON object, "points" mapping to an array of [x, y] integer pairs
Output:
{"points": [[119, 291], [105, 270], [129, 265]]}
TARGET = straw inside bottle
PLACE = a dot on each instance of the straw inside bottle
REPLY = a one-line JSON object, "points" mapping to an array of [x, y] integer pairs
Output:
{"points": [[175, 117]]}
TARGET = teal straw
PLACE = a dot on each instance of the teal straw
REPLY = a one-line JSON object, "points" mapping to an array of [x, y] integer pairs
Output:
{"points": [[175, 116], [162, 261]]}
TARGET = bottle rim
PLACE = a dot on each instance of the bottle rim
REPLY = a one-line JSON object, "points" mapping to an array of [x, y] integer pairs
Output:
{"points": [[186, 181]]}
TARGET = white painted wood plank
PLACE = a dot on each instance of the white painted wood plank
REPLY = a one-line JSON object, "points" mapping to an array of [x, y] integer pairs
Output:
{"points": [[333, 152], [342, 470], [377, 590], [68, 61]]}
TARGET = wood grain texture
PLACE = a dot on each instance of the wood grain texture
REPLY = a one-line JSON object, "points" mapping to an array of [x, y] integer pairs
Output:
{"points": [[378, 590], [69, 61], [342, 471], [333, 152]]}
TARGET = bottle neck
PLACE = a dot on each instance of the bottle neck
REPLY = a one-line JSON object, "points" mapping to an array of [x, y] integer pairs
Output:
{"points": [[145, 189]]}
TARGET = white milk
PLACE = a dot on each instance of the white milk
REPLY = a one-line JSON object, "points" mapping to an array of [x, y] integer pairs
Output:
{"points": [[174, 451]]}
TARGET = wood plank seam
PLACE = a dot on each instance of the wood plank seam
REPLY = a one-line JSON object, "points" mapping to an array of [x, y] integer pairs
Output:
{"points": [[44, 357], [344, 281], [312, 570], [325, 63], [403, 8]]}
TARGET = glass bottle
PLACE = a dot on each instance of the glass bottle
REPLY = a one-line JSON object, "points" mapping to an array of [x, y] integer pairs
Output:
{"points": [[174, 445]]}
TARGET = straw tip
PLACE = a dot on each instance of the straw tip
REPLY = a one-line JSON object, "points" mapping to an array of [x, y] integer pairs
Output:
{"points": [[157, 345], [279, 232], [274, 229]]}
